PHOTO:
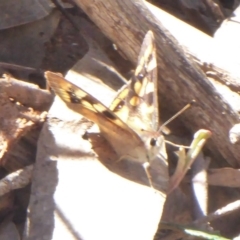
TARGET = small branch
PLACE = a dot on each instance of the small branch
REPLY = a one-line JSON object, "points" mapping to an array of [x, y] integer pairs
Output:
{"points": [[219, 213], [27, 94], [16, 180]]}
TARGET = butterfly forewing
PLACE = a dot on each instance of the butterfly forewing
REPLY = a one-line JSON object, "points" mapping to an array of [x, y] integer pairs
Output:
{"points": [[111, 126]]}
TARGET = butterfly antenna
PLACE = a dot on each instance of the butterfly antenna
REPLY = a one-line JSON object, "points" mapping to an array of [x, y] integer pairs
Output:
{"points": [[177, 114]]}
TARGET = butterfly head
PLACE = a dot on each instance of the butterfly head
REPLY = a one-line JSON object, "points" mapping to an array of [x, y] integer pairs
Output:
{"points": [[154, 144]]}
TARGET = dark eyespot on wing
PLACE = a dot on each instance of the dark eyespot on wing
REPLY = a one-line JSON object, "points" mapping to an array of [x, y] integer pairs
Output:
{"points": [[109, 115], [150, 99], [73, 98]]}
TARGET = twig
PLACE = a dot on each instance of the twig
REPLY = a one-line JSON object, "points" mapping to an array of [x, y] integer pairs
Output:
{"points": [[15, 180], [219, 213]]}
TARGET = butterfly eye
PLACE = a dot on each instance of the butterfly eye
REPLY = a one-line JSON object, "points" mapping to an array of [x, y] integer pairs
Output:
{"points": [[153, 142]]}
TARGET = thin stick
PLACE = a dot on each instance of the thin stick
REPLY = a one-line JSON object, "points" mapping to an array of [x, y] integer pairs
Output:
{"points": [[229, 208]]}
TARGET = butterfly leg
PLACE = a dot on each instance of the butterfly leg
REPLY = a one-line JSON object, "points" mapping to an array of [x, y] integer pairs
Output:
{"points": [[146, 166]]}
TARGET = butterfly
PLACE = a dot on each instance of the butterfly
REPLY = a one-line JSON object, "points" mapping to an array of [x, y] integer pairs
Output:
{"points": [[131, 123]]}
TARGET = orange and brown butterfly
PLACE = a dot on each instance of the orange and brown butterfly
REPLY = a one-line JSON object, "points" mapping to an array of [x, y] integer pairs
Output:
{"points": [[131, 123]]}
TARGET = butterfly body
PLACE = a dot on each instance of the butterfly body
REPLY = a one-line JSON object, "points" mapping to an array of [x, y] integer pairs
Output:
{"points": [[131, 122]]}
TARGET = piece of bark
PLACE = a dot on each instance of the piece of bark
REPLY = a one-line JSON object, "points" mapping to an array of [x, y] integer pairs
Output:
{"points": [[13, 125], [180, 79], [27, 74], [209, 54], [17, 121], [25, 45], [23, 153], [27, 94], [23, 12], [220, 64], [228, 209], [226, 177], [6, 205], [8, 230], [205, 15]]}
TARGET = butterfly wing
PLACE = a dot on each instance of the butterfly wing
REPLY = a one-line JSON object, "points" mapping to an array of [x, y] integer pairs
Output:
{"points": [[111, 126], [143, 99], [119, 105], [137, 102]]}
